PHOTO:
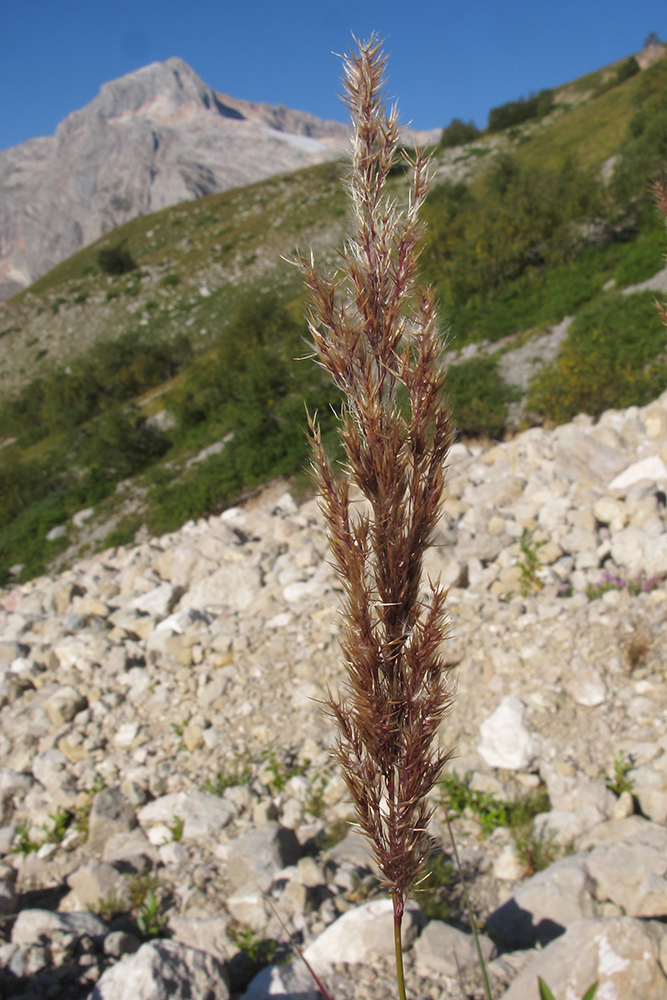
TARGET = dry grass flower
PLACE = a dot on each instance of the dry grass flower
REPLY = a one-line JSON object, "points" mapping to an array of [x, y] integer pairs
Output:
{"points": [[376, 333]]}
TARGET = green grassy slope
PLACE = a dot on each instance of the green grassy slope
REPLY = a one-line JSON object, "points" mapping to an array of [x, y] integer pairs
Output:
{"points": [[112, 384]]}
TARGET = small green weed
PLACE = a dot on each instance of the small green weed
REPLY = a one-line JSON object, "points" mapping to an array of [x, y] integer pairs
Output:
{"points": [[534, 852], [141, 886], [108, 907], [237, 774], [61, 821], [176, 828], [82, 815], [25, 845], [529, 564], [149, 918], [459, 796], [281, 772], [431, 894], [314, 804], [619, 781], [255, 954], [546, 994]]}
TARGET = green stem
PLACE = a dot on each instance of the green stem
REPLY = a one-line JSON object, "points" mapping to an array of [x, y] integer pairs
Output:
{"points": [[399, 906], [473, 924]]}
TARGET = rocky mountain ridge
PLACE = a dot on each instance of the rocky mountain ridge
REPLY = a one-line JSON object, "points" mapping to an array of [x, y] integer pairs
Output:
{"points": [[153, 138], [184, 673]]}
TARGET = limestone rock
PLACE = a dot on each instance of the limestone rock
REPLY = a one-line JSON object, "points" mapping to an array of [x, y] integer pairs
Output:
{"points": [[545, 905], [31, 925], [254, 858], [205, 815], [164, 970], [505, 740], [111, 813], [620, 953], [442, 950], [361, 933], [95, 884]]}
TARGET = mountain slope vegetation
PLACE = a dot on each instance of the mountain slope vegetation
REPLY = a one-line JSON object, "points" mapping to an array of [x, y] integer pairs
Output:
{"points": [[162, 371]]}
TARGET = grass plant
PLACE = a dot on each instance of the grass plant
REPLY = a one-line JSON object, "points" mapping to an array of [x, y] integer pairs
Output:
{"points": [[376, 335]]}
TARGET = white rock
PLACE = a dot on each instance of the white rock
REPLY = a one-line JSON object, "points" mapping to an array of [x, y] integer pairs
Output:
{"points": [[505, 740], [30, 925], [82, 516], [126, 734], [587, 687], [507, 866], [652, 468], [361, 933], [164, 970], [205, 815], [156, 602]]}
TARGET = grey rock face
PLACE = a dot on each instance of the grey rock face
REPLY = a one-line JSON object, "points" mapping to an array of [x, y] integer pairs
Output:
{"points": [[31, 925], [445, 951], [257, 856], [111, 813], [153, 138], [361, 933], [621, 953], [545, 905], [164, 970]]}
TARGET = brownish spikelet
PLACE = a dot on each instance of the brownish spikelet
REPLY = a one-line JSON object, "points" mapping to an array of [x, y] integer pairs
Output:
{"points": [[377, 336]]}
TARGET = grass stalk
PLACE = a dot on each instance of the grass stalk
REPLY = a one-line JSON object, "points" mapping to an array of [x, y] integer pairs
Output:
{"points": [[471, 915], [375, 332]]}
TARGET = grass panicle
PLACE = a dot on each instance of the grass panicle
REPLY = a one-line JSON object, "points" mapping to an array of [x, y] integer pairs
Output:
{"points": [[376, 334]]}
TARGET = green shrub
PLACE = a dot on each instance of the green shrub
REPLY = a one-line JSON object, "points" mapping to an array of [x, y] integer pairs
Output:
{"points": [[611, 359], [115, 260], [629, 68], [521, 222], [517, 112], [479, 397], [458, 133]]}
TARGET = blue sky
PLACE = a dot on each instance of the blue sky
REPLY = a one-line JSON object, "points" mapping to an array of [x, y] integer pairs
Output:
{"points": [[447, 58]]}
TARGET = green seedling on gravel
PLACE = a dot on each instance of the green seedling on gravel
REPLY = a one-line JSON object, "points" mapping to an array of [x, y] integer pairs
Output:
{"points": [[149, 918], [529, 564], [61, 821], [431, 894], [24, 844], [176, 828], [238, 774], [619, 781], [282, 772], [82, 815], [108, 907], [546, 994]]}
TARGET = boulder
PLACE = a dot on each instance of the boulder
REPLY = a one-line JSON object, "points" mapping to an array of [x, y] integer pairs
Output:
{"points": [[442, 950], [362, 933], [111, 813], [209, 934], [32, 925], [63, 705], [164, 970], [50, 769], [505, 740], [580, 456], [621, 954], [542, 908], [204, 814], [97, 883], [631, 875], [256, 857]]}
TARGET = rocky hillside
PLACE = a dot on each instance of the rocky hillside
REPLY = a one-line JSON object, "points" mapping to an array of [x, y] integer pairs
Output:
{"points": [[165, 761], [153, 138]]}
